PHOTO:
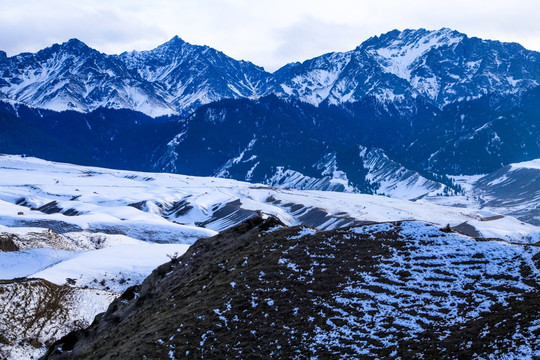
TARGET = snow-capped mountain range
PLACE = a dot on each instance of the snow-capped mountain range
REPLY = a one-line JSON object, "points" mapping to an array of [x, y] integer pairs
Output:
{"points": [[176, 77], [441, 66], [446, 127]]}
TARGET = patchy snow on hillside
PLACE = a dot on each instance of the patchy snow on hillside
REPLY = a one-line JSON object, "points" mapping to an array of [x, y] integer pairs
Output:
{"points": [[433, 278], [115, 268], [35, 313]]}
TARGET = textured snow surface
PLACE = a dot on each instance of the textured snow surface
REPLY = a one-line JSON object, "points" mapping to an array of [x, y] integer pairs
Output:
{"points": [[20, 264], [107, 229], [398, 57], [431, 279], [170, 208], [115, 268]]}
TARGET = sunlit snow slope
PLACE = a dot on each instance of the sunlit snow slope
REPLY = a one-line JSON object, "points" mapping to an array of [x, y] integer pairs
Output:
{"points": [[90, 233], [170, 208]]}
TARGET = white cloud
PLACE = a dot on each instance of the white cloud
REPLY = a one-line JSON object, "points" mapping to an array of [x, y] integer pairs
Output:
{"points": [[268, 32]]}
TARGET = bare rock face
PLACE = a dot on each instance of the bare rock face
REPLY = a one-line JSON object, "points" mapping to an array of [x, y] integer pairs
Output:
{"points": [[262, 290], [7, 243]]}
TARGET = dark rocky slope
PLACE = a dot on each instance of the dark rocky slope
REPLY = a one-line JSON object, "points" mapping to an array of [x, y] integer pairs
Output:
{"points": [[260, 290]]}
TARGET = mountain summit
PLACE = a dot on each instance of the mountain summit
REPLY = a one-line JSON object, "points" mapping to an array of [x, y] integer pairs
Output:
{"points": [[174, 78], [191, 75], [442, 66]]}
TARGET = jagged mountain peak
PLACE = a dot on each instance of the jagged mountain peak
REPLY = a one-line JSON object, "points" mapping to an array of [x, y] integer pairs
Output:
{"points": [[73, 46], [194, 75], [175, 40], [398, 51], [408, 35], [174, 47], [441, 66], [74, 43]]}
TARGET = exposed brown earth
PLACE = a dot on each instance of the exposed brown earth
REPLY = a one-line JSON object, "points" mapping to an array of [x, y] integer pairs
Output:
{"points": [[261, 290], [36, 312]]}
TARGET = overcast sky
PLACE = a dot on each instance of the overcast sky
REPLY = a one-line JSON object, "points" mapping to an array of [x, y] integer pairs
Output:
{"points": [[269, 33]]}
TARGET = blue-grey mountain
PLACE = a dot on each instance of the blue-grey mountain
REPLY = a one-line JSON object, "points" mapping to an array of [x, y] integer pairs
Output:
{"points": [[394, 116]]}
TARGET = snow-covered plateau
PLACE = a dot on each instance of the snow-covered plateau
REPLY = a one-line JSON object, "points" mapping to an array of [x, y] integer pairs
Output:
{"points": [[83, 235]]}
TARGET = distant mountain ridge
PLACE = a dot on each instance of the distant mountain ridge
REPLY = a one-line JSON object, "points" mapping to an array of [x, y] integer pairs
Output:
{"points": [[174, 78], [442, 66], [363, 147]]}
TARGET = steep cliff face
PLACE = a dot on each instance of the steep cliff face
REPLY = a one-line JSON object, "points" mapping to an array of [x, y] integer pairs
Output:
{"points": [[403, 289]]}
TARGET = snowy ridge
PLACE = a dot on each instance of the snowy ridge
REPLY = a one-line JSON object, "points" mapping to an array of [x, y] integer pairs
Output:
{"points": [[513, 190], [73, 76], [332, 179], [315, 85], [195, 75], [402, 64], [401, 53], [392, 179], [290, 179], [174, 78], [533, 164]]}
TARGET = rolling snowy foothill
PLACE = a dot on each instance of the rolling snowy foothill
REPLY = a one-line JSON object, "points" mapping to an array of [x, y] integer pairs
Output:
{"points": [[96, 232], [171, 208]]}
